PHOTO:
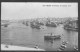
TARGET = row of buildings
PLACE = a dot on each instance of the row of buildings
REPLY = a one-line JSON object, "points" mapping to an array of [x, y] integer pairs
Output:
{"points": [[71, 25]]}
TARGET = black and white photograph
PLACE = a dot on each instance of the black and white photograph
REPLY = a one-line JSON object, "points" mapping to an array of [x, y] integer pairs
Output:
{"points": [[39, 26]]}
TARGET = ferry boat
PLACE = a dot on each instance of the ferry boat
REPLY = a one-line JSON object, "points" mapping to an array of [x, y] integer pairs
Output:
{"points": [[50, 37]]}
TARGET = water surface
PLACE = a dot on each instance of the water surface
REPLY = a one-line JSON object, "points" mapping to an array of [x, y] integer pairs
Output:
{"points": [[19, 34]]}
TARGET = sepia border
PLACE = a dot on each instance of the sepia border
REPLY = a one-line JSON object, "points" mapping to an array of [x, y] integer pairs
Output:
{"points": [[68, 1]]}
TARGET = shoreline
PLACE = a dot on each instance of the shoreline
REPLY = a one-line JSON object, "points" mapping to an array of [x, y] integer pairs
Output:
{"points": [[12, 47]]}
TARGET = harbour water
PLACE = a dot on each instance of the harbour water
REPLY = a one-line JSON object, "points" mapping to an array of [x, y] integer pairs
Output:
{"points": [[19, 34]]}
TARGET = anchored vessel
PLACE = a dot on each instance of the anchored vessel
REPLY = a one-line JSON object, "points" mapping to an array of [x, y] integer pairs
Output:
{"points": [[52, 37], [34, 25], [51, 24]]}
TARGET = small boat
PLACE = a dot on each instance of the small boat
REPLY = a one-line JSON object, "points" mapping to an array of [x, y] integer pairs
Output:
{"points": [[36, 47], [62, 47], [64, 42], [76, 48]]}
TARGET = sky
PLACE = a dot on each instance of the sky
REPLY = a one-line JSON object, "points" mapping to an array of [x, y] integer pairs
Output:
{"points": [[28, 10]]}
